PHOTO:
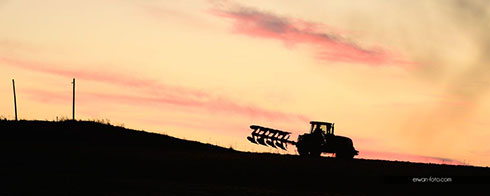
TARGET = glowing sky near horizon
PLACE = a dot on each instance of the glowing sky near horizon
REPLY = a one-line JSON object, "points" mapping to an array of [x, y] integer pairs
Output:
{"points": [[406, 80]]}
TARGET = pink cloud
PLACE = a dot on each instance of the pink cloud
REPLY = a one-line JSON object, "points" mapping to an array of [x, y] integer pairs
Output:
{"points": [[165, 94], [407, 157], [216, 105], [48, 97], [330, 45], [111, 78]]}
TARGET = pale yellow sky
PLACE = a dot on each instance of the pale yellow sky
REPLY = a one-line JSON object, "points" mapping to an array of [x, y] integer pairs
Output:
{"points": [[206, 70]]}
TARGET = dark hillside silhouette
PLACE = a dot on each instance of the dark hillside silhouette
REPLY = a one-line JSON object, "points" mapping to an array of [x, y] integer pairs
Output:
{"points": [[88, 158], [88, 132]]}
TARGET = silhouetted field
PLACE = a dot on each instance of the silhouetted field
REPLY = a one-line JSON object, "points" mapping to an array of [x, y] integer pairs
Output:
{"points": [[88, 158]]}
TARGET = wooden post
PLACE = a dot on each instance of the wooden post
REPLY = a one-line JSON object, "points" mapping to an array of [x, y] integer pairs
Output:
{"points": [[73, 98], [15, 99]]}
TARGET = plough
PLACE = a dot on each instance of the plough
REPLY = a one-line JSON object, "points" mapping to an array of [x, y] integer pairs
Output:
{"points": [[270, 137]]}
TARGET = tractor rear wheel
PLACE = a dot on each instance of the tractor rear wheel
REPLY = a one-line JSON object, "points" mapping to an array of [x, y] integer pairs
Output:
{"points": [[305, 151], [302, 152], [309, 145]]}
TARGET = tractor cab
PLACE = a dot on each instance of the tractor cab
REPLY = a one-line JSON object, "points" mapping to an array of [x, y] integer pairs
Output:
{"points": [[322, 127]]}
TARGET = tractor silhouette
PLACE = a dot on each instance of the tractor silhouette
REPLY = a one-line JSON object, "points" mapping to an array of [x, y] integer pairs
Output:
{"points": [[321, 139]]}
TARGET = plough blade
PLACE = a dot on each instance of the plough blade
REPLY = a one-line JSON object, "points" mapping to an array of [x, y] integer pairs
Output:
{"points": [[270, 143], [270, 137], [261, 140], [281, 145], [251, 139]]}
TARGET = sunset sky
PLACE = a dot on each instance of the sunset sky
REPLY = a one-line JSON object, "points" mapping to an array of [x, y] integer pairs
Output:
{"points": [[406, 80]]}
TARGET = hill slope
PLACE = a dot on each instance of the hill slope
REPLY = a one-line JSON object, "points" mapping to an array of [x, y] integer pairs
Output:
{"points": [[80, 158]]}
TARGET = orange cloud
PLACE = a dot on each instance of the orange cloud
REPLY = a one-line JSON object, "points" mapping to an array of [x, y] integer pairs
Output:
{"points": [[330, 46]]}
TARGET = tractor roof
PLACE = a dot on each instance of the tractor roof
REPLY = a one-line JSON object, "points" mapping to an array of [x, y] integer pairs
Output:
{"points": [[320, 123]]}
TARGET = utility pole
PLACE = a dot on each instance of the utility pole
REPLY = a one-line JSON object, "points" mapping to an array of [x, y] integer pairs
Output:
{"points": [[73, 98], [15, 99]]}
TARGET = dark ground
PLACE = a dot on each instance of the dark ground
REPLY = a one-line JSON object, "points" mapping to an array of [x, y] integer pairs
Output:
{"points": [[88, 158]]}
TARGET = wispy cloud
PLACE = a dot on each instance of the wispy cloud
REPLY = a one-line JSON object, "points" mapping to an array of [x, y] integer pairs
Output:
{"points": [[111, 78], [464, 89], [330, 46], [165, 94], [221, 105], [162, 13], [407, 157]]}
